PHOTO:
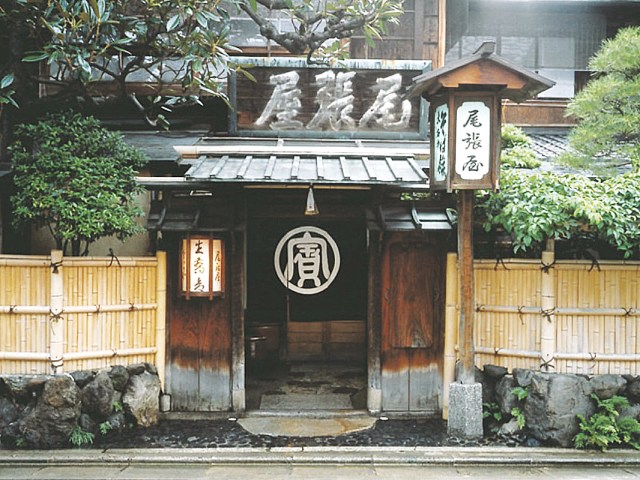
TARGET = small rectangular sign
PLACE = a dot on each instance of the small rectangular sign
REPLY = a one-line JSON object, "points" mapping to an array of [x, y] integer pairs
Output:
{"points": [[202, 261]]}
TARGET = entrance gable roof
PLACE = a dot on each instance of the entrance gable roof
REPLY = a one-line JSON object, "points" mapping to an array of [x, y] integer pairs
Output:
{"points": [[287, 161]]}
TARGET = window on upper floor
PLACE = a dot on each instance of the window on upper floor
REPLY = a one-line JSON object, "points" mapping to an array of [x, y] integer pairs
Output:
{"points": [[555, 42]]}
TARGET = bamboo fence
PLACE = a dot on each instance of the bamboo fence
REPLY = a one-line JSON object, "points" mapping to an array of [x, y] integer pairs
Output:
{"points": [[569, 316], [63, 314]]}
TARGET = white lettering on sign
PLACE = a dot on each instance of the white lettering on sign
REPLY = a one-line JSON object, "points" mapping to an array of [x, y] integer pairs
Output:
{"points": [[441, 142], [473, 140], [335, 100], [202, 266], [388, 110], [284, 103], [199, 256], [307, 260]]}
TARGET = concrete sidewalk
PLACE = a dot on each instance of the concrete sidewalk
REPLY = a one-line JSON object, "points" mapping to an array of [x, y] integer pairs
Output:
{"points": [[443, 456]]}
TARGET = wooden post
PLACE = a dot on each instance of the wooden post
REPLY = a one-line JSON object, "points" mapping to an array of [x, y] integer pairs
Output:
{"points": [[450, 330], [442, 31], [238, 355], [161, 315], [548, 301], [56, 341], [374, 328], [465, 260]]}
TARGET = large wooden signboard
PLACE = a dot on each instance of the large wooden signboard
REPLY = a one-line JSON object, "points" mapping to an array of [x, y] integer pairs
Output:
{"points": [[363, 98]]}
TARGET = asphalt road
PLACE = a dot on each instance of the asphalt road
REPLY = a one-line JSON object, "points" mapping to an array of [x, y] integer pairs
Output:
{"points": [[313, 472]]}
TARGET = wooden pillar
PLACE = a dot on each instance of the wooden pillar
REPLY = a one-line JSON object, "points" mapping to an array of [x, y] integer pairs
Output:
{"points": [[442, 32], [161, 316], [238, 398], [465, 259], [548, 300], [56, 341], [374, 327], [450, 330]]}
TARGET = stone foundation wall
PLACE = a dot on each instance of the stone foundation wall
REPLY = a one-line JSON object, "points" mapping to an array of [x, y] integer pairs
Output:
{"points": [[552, 402], [43, 411]]}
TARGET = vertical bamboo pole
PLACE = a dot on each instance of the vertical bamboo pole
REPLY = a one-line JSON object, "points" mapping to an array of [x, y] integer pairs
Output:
{"points": [[548, 300], [161, 314], [465, 259], [450, 330], [56, 347]]}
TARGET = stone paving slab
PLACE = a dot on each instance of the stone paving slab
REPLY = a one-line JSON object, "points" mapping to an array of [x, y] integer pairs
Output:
{"points": [[305, 427], [304, 401]]}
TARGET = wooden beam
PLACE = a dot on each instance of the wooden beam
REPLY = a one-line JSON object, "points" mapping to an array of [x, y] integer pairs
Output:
{"points": [[465, 259], [442, 32], [374, 327]]}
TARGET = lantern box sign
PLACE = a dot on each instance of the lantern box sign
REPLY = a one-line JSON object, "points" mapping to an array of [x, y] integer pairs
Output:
{"points": [[465, 128], [202, 266], [465, 97]]}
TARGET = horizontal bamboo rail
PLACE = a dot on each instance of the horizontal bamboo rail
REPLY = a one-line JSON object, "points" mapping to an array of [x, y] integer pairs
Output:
{"points": [[571, 316], [45, 357], [34, 310], [126, 352], [607, 312], [604, 357], [81, 310], [25, 356], [506, 352]]}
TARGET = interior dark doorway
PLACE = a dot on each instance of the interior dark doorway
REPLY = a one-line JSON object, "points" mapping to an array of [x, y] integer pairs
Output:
{"points": [[306, 314]]}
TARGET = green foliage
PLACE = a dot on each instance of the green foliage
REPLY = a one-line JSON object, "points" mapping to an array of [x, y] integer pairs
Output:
{"points": [[181, 43], [516, 149], [315, 22], [605, 427], [520, 393], [117, 407], [491, 411], [20, 442], [608, 108], [533, 207], [75, 178], [80, 437], [6, 92], [105, 427], [518, 414], [491, 416]]}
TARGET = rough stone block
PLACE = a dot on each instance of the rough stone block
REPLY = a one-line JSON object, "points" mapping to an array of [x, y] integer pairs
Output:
{"points": [[465, 411]]}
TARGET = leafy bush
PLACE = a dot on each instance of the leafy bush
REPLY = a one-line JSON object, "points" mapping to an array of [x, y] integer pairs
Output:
{"points": [[80, 437], [533, 207], [75, 178], [516, 149], [105, 427], [492, 416], [606, 427]]}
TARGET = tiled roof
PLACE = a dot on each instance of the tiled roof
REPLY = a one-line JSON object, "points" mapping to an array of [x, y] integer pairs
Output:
{"points": [[549, 146], [306, 161], [324, 169]]}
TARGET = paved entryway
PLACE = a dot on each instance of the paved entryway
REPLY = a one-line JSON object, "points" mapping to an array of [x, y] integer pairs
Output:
{"points": [[307, 386]]}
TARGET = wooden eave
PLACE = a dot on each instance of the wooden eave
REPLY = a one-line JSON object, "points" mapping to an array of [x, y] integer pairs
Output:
{"points": [[482, 70]]}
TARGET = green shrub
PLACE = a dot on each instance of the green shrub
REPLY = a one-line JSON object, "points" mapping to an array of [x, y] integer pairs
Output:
{"points": [[80, 437], [606, 427]]}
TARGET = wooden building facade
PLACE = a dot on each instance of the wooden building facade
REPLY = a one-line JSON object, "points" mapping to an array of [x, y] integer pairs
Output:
{"points": [[325, 253]]}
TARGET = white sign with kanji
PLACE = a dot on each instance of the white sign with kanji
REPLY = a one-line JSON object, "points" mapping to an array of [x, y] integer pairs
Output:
{"points": [[473, 140], [202, 267], [441, 143]]}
